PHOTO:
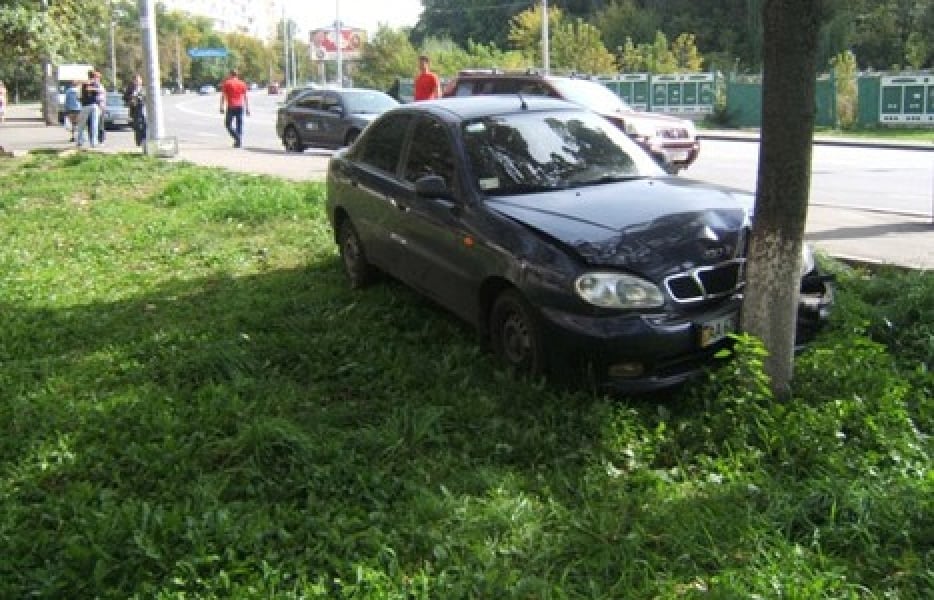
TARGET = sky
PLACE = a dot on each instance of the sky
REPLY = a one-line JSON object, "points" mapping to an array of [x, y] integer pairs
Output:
{"points": [[365, 14]]}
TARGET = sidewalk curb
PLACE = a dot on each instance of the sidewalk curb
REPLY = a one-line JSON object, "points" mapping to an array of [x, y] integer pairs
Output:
{"points": [[739, 136]]}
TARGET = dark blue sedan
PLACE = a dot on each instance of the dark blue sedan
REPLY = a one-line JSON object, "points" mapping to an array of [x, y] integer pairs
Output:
{"points": [[553, 233]]}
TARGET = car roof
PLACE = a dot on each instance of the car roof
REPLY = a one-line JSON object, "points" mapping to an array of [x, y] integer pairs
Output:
{"points": [[337, 90], [471, 107]]}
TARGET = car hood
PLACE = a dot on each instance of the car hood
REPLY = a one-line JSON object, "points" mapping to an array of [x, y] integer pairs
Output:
{"points": [[365, 116], [656, 119], [652, 226]]}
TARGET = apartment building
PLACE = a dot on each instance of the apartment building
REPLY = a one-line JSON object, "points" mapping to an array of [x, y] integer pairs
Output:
{"points": [[256, 18]]}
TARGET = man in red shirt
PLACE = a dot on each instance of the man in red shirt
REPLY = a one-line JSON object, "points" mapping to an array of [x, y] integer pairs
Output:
{"points": [[427, 84], [233, 94]]}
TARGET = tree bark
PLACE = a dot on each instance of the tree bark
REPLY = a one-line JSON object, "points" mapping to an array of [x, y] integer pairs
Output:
{"points": [[790, 41]]}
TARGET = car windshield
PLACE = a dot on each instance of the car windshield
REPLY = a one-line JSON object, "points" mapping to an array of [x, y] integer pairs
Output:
{"points": [[593, 95], [538, 151], [368, 102], [114, 100]]}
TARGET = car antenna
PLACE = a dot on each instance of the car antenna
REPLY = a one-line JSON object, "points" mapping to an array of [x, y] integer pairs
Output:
{"points": [[522, 103]]}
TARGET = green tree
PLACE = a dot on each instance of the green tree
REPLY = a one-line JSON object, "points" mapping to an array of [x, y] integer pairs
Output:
{"points": [[659, 56], [388, 55], [525, 31], [916, 50], [488, 55], [485, 21], [631, 58], [625, 21], [250, 56], [844, 72], [578, 46], [687, 58]]}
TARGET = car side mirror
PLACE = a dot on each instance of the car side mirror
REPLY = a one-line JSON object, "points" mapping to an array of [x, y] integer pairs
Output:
{"points": [[432, 186]]}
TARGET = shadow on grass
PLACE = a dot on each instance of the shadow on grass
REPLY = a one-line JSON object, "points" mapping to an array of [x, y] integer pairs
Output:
{"points": [[302, 411]]}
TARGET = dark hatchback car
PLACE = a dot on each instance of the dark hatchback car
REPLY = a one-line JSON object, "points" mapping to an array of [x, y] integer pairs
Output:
{"points": [[552, 232], [330, 118]]}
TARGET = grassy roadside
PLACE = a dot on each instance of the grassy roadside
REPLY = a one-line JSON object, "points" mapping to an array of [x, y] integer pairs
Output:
{"points": [[194, 405], [898, 134]]}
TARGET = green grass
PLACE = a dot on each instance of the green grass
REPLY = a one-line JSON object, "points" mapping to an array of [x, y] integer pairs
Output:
{"points": [[904, 134], [193, 404], [916, 134]]}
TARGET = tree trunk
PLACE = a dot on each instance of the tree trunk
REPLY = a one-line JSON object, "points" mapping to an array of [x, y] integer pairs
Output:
{"points": [[788, 108]]}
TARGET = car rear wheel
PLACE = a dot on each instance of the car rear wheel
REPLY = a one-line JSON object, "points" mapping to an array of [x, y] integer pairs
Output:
{"points": [[516, 335], [291, 140], [359, 271]]}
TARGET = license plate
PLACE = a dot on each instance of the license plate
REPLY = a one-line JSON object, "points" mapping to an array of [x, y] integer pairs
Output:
{"points": [[678, 156], [715, 330]]}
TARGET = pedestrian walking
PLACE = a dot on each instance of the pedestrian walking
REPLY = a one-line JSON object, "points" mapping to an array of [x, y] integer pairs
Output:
{"points": [[234, 104], [72, 108], [427, 84], [92, 98], [135, 99]]}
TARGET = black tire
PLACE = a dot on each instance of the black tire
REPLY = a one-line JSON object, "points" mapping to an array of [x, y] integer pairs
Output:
{"points": [[351, 137], [359, 271], [291, 140], [516, 335]]}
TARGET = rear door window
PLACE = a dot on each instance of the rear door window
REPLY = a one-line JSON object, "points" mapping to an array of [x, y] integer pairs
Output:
{"points": [[430, 152], [309, 102], [381, 146]]}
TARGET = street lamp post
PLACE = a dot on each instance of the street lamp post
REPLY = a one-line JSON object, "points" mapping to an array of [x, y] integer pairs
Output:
{"points": [[546, 59], [154, 116], [339, 41], [113, 48]]}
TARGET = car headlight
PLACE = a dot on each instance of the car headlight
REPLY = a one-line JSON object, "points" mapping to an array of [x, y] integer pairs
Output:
{"points": [[634, 130], [618, 290], [807, 259]]}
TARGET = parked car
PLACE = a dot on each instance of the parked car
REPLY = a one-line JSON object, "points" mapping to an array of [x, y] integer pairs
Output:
{"points": [[207, 89], [328, 117], [553, 233], [671, 140], [116, 112]]}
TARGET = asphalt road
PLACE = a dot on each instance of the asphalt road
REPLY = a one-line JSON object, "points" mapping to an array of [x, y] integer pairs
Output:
{"points": [[869, 203], [887, 179]]}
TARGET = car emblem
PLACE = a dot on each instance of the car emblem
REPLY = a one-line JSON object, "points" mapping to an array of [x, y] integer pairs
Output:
{"points": [[715, 252]]}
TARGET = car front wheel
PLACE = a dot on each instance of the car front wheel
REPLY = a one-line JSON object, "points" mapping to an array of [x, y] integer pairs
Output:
{"points": [[291, 140], [516, 335], [359, 271]]}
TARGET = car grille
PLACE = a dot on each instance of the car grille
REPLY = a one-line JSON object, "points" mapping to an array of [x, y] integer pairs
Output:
{"points": [[707, 282], [673, 133]]}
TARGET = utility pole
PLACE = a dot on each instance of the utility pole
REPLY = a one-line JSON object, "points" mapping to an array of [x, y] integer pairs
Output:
{"points": [[154, 117], [49, 83], [178, 65], [113, 49], [546, 59], [339, 41], [285, 48]]}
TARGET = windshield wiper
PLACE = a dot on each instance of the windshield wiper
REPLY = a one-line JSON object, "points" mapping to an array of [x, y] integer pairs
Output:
{"points": [[608, 179], [524, 188]]}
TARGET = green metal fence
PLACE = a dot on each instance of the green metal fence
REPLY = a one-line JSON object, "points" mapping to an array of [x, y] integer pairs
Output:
{"points": [[893, 100]]}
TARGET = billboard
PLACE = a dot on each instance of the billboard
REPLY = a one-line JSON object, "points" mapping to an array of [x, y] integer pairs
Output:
{"points": [[324, 45]]}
